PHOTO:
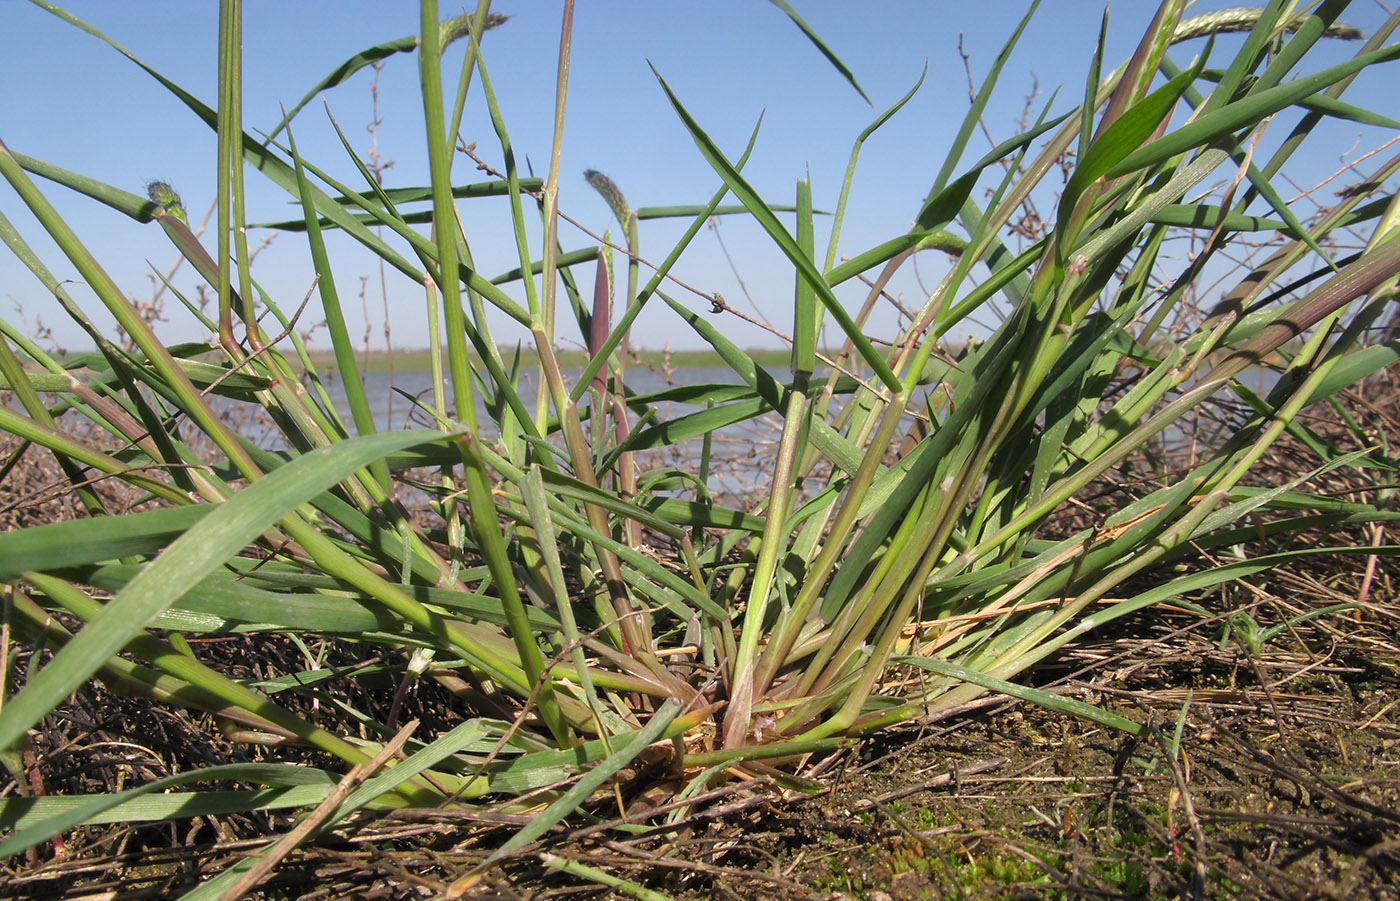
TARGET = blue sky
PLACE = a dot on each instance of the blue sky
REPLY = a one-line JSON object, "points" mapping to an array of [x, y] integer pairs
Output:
{"points": [[75, 102]]}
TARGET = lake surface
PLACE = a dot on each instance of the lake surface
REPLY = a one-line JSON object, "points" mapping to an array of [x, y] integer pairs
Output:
{"points": [[392, 410], [740, 454]]}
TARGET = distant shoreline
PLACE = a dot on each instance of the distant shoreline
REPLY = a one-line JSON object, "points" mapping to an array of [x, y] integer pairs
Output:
{"points": [[417, 359]]}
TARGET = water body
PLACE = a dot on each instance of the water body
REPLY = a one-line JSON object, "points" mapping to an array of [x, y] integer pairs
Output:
{"points": [[393, 410], [740, 453]]}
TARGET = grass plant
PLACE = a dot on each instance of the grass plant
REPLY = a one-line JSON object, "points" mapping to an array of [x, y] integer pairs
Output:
{"points": [[911, 554]]}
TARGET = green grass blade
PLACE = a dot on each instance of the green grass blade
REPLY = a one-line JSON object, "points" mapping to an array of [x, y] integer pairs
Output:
{"points": [[1118, 141], [335, 319], [589, 783], [840, 216], [399, 196], [833, 444], [142, 209], [451, 28], [979, 104], [1244, 112], [687, 211], [786, 243], [83, 541], [342, 72], [821, 45], [201, 549], [230, 600], [1033, 695], [536, 500], [391, 778], [34, 820], [635, 306], [806, 310]]}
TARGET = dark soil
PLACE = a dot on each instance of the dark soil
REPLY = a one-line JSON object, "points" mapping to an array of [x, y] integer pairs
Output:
{"points": [[1265, 772]]}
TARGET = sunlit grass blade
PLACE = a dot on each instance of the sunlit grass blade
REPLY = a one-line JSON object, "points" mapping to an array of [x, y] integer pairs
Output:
{"points": [[786, 243], [203, 547], [84, 541], [34, 820], [1034, 695], [822, 46], [451, 29], [485, 527], [335, 319], [979, 104], [839, 217], [1248, 110], [590, 781]]}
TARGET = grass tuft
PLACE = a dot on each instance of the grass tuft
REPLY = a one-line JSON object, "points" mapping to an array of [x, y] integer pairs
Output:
{"points": [[933, 525]]}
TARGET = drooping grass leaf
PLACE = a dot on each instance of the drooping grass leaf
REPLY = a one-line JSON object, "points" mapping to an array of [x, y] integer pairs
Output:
{"points": [[197, 552], [35, 820], [82, 541], [821, 45]]}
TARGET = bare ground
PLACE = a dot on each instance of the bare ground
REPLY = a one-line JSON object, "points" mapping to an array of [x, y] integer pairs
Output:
{"points": [[1268, 771]]}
